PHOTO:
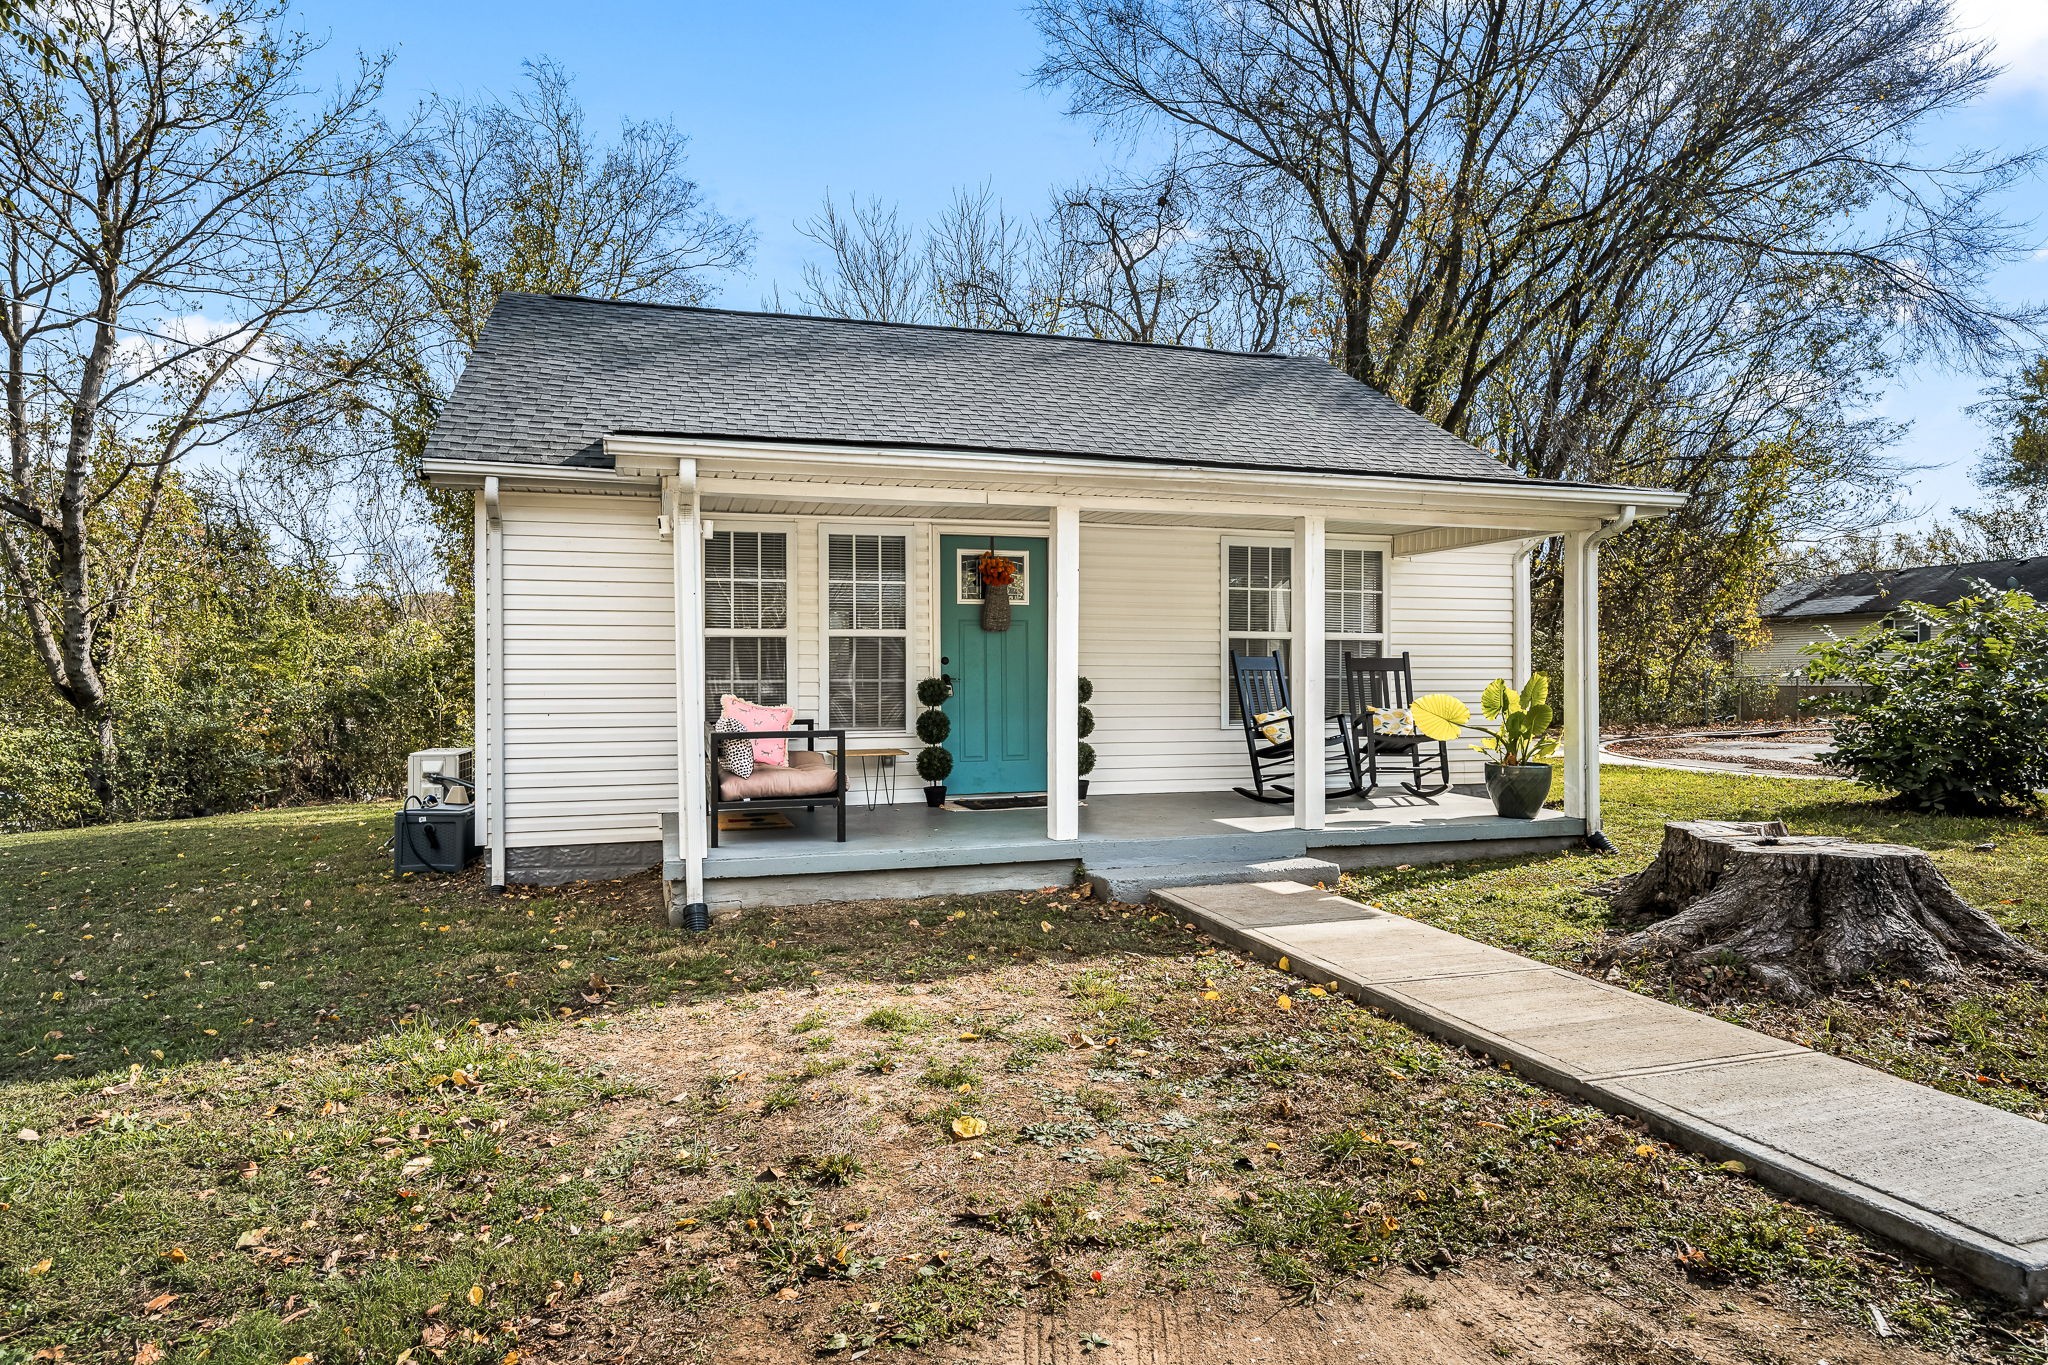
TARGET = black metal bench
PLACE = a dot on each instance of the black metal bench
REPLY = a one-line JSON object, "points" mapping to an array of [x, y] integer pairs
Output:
{"points": [[819, 780]]}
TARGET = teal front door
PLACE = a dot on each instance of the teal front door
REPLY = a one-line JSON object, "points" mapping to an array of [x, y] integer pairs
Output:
{"points": [[998, 705]]}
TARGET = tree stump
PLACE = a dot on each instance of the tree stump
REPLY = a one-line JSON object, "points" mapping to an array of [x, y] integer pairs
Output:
{"points": [[1806, 914]]}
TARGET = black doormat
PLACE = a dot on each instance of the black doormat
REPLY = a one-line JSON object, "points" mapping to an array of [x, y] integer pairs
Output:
{"points": [[995, 802]]}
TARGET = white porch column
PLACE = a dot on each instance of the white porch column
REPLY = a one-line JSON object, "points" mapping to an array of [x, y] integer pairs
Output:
{"points": [[1522, 616], [1582, 677], [686, 535], [1063, 664], [1309, 707]]}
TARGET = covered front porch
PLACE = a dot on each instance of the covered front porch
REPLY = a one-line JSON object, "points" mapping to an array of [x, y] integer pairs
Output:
{"points": [[908, 850], [1144, 574]]}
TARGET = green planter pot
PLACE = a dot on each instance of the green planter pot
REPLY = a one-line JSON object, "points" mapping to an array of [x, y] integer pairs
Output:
{"points": [[1519, 792]]}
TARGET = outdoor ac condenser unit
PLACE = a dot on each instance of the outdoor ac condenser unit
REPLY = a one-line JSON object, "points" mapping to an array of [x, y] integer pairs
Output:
{"points": [[457, 765], [435, 831]]}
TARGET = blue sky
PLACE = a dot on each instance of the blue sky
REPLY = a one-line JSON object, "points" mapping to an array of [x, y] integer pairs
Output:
{"points": [[908, 100]]}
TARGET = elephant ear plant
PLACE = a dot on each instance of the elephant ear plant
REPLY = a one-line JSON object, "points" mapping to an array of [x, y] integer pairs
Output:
{"points": [[1518, 744]]}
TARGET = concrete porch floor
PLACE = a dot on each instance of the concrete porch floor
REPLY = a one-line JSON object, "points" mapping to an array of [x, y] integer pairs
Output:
{"points": [[1195, 827]]}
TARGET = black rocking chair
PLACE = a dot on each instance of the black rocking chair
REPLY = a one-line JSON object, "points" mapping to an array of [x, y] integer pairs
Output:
{"points": [[1388, 685], [1261, 683]]}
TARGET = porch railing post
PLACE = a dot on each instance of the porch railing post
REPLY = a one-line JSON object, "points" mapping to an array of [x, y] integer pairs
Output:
{"points": [[686, 533], [1063, 690], [1309, 707], [1582, 677]]}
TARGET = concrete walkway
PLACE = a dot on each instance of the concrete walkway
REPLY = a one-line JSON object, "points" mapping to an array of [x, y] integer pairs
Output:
{"points": [[1957, 1181]]}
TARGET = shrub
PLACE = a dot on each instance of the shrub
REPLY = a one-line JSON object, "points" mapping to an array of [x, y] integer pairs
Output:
{"points": [[1956, 722], [933, 726], [934, 764]]}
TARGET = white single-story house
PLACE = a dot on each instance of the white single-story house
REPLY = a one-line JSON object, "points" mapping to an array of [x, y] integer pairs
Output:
{"points": [[677, 503]]}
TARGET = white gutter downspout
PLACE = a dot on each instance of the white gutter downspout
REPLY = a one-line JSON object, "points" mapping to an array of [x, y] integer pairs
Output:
{"points": [[491, 674], [1582, 669], [1522, 613]]}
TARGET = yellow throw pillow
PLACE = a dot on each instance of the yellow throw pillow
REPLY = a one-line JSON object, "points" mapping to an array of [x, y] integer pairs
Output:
{"points": [[1276, 726], [1392, 720]]}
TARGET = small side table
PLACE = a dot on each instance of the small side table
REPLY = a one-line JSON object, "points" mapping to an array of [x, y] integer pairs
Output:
{"points": [[875, 764]]}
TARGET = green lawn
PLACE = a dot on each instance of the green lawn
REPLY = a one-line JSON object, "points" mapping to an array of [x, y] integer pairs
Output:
{"points": [[1986, 1039], [262, 1102]]}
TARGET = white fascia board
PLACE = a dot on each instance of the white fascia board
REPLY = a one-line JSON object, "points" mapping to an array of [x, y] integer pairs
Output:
{"points": [[517, 474]]}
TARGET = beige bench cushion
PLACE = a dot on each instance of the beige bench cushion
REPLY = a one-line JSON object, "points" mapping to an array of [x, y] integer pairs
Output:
{"points": [[809, 773]]}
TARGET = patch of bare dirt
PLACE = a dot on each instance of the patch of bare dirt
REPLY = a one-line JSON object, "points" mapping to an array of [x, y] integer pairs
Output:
{"points": [[1482, 1316], [1062, 1241]]}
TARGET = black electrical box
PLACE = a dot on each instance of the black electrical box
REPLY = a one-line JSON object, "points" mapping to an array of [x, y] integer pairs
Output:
{"points": [[434, 839]]}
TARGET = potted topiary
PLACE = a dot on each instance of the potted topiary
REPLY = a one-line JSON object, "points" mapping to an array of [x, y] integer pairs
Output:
{"points": [[935, 760], [1085, 728], [1518, 743]]}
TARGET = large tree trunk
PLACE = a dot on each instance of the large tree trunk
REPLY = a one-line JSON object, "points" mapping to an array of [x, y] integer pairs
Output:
{"points": [[1806, 915]]}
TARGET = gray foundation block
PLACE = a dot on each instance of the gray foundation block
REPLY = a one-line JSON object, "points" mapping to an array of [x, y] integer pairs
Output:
{"points": [[1134, 884], [729, 896], [559, 864]]}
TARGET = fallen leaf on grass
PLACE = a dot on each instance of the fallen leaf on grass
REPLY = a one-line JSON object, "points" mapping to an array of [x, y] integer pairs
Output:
{"points": [[148, 1353], [967, 1127], [252, 1238], [476, 1296], [1284, 1003], [41, 1267], [159, 1303], [416, 1166]]}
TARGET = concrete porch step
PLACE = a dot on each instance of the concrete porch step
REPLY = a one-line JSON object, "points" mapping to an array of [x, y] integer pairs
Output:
{"points": [[1134, 883], [1957, 1181]]}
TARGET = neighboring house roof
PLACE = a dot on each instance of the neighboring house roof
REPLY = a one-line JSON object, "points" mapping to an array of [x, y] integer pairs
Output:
{"points": [[553, 375], [1860, 594]]}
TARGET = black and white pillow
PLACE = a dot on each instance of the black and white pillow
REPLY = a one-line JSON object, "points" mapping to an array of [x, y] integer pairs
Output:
{"points": [[736, 756]]}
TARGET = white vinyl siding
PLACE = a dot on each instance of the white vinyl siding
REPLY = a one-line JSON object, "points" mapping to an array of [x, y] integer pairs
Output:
{"points": [[1783, 655], [1453, 612], [590, 688]]}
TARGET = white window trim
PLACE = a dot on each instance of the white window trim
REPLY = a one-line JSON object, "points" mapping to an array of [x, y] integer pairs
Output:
{"points": [[790, 627], [1383, 544], [912, 604]]}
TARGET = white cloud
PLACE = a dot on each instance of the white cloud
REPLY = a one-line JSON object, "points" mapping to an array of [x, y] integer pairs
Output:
{"points": [[2018, 29]]}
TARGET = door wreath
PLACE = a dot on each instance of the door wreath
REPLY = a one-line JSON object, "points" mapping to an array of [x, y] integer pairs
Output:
{"points": [[996, 574]]}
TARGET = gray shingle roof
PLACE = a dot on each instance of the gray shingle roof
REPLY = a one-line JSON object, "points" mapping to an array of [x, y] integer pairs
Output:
{"points": [[552, 375], [1859, 594]]}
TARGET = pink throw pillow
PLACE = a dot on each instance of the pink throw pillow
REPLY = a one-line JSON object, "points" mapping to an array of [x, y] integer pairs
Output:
{"points": [[772, 753]]}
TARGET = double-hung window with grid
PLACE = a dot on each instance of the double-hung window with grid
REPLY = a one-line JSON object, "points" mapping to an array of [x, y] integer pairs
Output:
{"points": [[746, 618], [867, 630]]}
